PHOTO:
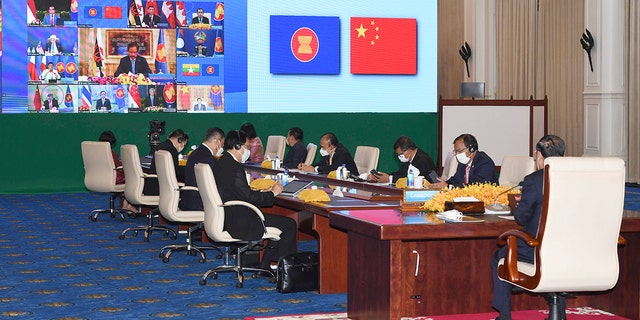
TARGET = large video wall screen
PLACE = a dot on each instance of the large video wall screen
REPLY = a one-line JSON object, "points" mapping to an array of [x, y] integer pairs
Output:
{"points": [[125, 56]]}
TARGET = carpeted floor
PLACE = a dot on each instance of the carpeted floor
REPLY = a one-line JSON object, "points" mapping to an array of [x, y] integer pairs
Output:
{"points": [[57, 264]]}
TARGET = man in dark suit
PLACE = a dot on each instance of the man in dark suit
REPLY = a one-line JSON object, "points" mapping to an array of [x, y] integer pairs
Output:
{"points": [[51, 102], [199, 106], [132, 62], [51, 18], [207, 152], [53, 46], [334, 154], [239, 221], [298, 152], [152, 100], [200, 50], [103, 103], [526, 214], [151, 19], [412, 158], [473, 166], [174, 144], [200, 18]]}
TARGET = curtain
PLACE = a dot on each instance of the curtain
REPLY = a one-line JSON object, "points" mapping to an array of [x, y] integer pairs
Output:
{"points": [[633, 92]]}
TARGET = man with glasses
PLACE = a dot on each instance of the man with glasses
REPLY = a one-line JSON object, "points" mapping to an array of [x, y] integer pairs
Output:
{"points": [[412, 158], [207, 152], [239, 221], [132, 62], [473, 166]]}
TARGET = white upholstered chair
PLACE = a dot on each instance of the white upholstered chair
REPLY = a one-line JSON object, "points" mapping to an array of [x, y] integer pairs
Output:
{"points": [[311, 153], [168, 206], [275, 147], [576, 248], [135, 179], [100, 176], [366, 158], [449, 167], [514, 169], [214, 227]]}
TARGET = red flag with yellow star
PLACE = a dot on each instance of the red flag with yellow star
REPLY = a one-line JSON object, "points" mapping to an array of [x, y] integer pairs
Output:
{"points": [[383, 45], [184, 96]]}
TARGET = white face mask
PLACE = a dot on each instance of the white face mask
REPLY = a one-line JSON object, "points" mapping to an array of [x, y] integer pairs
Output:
{"points": [[245, 155], [181, 148], [462, 158], [219, 153], [324, 152], [402, 158]]}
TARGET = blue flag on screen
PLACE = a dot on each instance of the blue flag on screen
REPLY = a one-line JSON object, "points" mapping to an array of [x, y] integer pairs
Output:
{"points": [[304, 45], [161, 54], [68, 98], [92, 12], [120, 96]]}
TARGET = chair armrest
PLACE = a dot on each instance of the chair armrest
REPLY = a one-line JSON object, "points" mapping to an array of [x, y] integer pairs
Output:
{"points": [[621, 241], [511, 256], [248, 205], [185, 188], [117, 168], [148, 175], [180, 184]]}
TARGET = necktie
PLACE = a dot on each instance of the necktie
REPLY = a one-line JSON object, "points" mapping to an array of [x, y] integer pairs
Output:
{"points": [[54, 48], [133, 66], [53, 20], [199, 20], [466, 175]]}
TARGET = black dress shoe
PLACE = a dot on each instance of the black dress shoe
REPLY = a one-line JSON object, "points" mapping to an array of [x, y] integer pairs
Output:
{"points": [[503, 317]]}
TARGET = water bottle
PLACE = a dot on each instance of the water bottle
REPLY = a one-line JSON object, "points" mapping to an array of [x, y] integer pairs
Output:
{"points": [[285, 177], [277, 161], [343, 172], [410, 179]]}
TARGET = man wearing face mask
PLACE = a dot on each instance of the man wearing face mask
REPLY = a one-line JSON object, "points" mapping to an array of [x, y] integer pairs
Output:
{"points": [[412, 158], [174, 144], [239, 221], [473, 166], [298, 152], [526, 214], [207, 152], [334, 154]]}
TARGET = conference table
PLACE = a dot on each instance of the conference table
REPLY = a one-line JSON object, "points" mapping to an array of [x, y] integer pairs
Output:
{"points": [[313, 218], [410, 265]]}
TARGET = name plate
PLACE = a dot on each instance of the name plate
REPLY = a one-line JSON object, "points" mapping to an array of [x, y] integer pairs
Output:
{"points": [[413, 199]]}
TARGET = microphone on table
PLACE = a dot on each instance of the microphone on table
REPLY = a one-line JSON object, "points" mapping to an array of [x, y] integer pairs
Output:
{"points": [[498, 207]]}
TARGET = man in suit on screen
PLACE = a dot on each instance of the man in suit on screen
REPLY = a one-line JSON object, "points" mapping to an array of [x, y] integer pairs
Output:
{"points": [[199, 106], [151, 19], [200, 50], [200, 18], [133, 63], [51, 18], [103, 104], [51, 103], [53, 46]]}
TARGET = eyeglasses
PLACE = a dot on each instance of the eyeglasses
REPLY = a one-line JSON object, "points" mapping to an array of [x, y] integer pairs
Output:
{"points": [[460, 151]]}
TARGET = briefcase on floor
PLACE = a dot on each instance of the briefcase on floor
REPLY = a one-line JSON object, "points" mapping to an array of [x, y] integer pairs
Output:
{"points": [[297, 272]]}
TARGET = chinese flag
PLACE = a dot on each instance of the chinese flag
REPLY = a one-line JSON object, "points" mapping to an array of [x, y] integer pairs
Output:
{"points": [[113, 12], [383, 45], [37, 101]]}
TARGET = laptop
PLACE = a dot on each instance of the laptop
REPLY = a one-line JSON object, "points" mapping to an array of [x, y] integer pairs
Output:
{"points": [[294, 187]]}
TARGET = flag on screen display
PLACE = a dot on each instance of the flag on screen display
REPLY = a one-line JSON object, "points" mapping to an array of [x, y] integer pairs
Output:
{"points": [[92, 12], [215, 94], [42, 63], [68, 98], [304, 45], [33, 71], [169, 13], [120, 97], [181, 14], [211, 70], [218, 14], [73, 10], [135, 13], [169, 95], [75, 47], [98, 55], [151, 3], [70, 67], [383, 45], [113, 12], [161, 54], [37, 100], [31, 12], [85, 103], [134, 95], [185, 97], [191, 69]]}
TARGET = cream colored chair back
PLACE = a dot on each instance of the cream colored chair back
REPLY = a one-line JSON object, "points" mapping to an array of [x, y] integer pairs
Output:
{"points": [[134, 177], [170, 191], [366, 158], [514, 169], [275, 147], [449, 167], [584, 198], [311, 153], [99, 168], [214, 208]]}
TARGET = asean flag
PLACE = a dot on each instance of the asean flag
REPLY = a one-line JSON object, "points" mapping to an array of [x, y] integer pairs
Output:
{"points": [[383, 45], [304, 45]]}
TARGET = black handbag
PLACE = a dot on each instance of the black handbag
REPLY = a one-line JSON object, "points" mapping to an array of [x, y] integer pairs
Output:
{"points": [[297, 272]]}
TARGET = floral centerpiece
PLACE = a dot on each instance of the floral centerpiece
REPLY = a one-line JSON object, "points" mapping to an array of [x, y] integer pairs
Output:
{"points": [[134, 79], [153, 109], [485, 192]]}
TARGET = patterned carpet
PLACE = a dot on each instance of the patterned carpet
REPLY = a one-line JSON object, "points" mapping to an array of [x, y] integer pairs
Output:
{"points": [[57, 264]]}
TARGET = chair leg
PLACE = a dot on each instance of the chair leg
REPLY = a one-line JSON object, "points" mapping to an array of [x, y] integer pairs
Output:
{"points": [[148, 229], [112, 211], [555, 310], [189, 247], [237, 267]]}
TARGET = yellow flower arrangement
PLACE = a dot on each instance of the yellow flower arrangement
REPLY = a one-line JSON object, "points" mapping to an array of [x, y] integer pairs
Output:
{"points": [[485, 192]]}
